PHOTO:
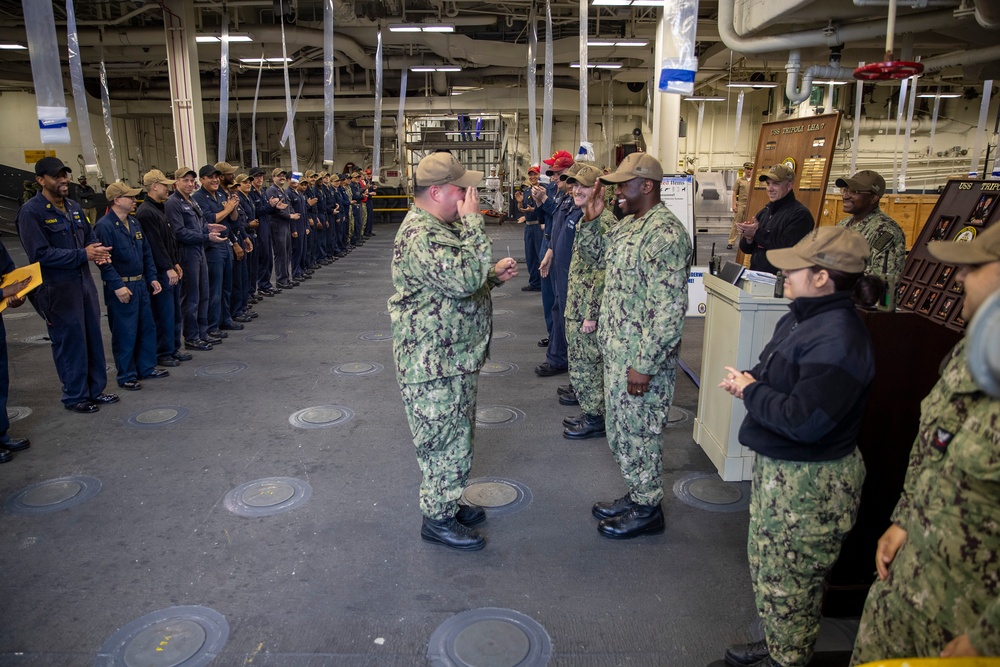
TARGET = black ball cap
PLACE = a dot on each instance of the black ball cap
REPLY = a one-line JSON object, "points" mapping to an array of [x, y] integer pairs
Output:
{"points": [[208, 170], [256, 171], [50, 166]]}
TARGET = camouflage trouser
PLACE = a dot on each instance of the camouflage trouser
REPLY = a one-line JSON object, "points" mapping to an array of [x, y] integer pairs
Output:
{"points": [[800, 513], [894, 626], [586, 368], [634, 424], [442, 417]]}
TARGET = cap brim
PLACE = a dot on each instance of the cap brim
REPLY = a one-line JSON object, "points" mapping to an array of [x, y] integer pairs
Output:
{"points": [[617, 177], [787, 259], [959, 253], [468, 179]]}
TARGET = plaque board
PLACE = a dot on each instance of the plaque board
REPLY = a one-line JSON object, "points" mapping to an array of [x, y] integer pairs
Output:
{"points": [[804, 144], [929, 287]]}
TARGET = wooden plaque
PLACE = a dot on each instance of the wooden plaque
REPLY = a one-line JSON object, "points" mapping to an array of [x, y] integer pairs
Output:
{"points": [[804, 144]]}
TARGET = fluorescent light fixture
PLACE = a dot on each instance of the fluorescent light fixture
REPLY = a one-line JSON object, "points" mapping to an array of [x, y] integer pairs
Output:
{"points": [[611, 3], [941, 95], [432, 68], [598, 65], [703, 98], [752, 84], [617, 42], [209, 39], [12, 47], [261, 61], [828, 82], [421, 27]]}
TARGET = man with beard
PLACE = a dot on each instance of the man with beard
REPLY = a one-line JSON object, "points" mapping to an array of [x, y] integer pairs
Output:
{"points": [[55, 233], [862, 193], [642, 317]]}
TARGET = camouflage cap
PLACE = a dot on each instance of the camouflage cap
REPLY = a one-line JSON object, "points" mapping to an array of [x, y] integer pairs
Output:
{"points": [[864, 181], [778, 173], [586, 176], [983, 249], [445, 169], [837, 248], [120, 189], [636, 165]]}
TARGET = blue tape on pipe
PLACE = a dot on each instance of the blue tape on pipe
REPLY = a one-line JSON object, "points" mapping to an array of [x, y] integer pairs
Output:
{"points": [[52, 124], [675, 75]]}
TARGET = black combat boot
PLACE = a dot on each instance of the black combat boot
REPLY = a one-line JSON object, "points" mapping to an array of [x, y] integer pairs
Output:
{"points": [[638, 520], [591, 426], [451, 533], [741, 655]]}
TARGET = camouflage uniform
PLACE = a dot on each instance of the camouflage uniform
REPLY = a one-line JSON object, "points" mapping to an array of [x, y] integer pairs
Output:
{"points": [[642, 315], [742, 194], [583, 302], [800, 513], [441, 326], [945, 579], [874, 226]]}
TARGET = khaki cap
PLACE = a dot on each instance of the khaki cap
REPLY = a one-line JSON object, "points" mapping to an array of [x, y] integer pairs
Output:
{"points": [[323, 174], [335, 178], [181, 172], [864, 181], [120, 189], [445, 169], [983, 249], [310, 173], [240, 178], [586, 176], [570, 171], [837, 248], [226, 168], [748, 165], [778, 173], [277, 171], [636, 165], [156, 176]]}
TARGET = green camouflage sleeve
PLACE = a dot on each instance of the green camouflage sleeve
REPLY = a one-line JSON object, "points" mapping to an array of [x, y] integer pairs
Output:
{"points": [[985, 637], [597, 264], [454, 267], [667, 265]]}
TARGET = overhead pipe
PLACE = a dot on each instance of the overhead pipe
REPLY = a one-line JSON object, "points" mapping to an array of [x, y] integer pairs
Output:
{"points": [[798, 94], [831, 35]]}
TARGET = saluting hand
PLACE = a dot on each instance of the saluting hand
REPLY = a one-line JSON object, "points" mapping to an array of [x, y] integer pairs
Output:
{"points": [[594, 205], [471, 202]]}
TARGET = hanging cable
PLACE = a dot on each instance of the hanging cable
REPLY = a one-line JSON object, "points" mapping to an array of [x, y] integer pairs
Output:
{"points": [[377, 139], [87, 148], [328, 91], [532, 105], [224, 88]]}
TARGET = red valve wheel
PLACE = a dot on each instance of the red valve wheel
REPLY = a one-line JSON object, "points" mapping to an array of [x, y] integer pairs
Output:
{"points": [[899, 69]]}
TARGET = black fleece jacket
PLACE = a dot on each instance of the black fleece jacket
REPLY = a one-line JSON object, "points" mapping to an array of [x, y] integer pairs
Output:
{"points": [[813, 382], [782, 224]]}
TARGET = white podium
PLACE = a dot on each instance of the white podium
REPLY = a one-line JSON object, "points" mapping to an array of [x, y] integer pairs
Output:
{"points": [[737, 327]]}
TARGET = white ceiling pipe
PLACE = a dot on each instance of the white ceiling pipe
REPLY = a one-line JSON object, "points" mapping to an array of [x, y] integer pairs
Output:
{"points": [[970, 57], [829, 36], [798, 95]]}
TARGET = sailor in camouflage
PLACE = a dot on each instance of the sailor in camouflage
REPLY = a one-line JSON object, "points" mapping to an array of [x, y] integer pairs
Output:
{"points": [[862, 193], [804, 403], [583, 303], [441, 325], [648, 260], [938, 586]]}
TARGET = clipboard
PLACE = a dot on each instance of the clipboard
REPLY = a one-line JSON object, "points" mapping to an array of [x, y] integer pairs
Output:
{"points": [[17, 275]]}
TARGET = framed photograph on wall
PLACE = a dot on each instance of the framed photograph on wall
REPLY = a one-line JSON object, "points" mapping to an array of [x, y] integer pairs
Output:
{"points": [[946, 305], [928, 305], [911, 300], [944, 225], [983, 209], [900, 291], [943, 276]]}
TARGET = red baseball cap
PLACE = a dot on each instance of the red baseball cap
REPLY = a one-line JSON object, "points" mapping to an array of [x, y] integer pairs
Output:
{"points": [[533, 168], [559, 160]]}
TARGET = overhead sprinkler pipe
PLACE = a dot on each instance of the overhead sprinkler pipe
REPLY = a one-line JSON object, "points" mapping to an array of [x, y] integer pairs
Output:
{"points": [[797, 94]]}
